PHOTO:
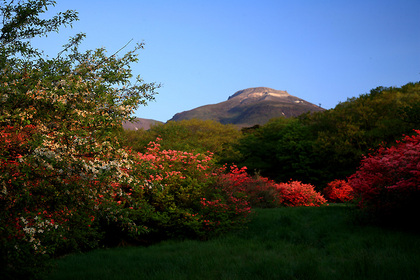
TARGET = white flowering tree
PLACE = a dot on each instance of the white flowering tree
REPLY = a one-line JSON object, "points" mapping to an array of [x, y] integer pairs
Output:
{"points": [[61, 166]]}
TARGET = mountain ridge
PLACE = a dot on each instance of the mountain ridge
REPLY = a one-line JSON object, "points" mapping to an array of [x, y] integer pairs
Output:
{"points": [[139, 123], [250, 107]]}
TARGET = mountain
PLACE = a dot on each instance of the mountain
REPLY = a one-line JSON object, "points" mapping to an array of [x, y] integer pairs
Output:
{"points": [[251, 106], [139, 123]]}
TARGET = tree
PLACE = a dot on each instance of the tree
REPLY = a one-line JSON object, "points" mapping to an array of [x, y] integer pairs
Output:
{"points": [[21, 22], [258, 148], [58, 147], [282, 149], [355, 127], [320, 147]]}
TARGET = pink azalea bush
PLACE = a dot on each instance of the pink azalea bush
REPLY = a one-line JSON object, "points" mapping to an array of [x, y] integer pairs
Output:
{"points": [[388, 181]]}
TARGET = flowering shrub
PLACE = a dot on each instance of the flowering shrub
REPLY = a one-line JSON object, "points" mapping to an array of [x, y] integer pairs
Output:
{"points": [[169, 166], [51, 200], [224, 208], [388, 181], [62, 170], [187, 189], [262, 192], [338, 191], [147, 197], [295, 193]]}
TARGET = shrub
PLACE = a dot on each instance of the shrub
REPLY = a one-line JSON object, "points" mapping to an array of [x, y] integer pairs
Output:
{"points": [[262, 192], [51, 201], [59, 157], [186, 187], [295, 193], [155, 195], [387, 183], [338, 191]]}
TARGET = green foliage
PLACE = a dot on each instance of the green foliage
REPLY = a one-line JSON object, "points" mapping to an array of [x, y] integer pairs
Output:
{"points": [[258, 147], [200, 136], [320, 147], [354, 127], [282, 149], [58, 151], [21, 22]]}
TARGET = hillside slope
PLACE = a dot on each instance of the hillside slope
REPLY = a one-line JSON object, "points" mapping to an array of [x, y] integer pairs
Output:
{"points": [[139, 123], [251, 106]]}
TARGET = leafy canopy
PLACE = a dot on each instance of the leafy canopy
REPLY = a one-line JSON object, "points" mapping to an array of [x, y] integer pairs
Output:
{"points": [[58, 149], [20, 22], [190, 136]]}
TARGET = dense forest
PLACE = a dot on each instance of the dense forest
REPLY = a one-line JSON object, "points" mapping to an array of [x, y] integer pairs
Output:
{"points": [[313, 148]]}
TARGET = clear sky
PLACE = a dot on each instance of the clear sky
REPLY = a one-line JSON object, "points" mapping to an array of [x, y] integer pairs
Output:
{"points": [[323, 51]]}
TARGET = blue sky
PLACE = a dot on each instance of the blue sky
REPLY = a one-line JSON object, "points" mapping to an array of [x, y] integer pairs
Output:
{"points": [[204, 51]]}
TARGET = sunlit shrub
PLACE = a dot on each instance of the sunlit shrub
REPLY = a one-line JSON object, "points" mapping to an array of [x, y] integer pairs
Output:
{"points": [[160, 194], [261, 192], [52, 202], [187, 190], [61, 166], [338, 191], [295, 193], [44, 212]]}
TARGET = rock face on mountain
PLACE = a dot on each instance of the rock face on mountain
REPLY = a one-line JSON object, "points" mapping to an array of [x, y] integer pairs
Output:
{"points": [[139, 123], [251, 106]]}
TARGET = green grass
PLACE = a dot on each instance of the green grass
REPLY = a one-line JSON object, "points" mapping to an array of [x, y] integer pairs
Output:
{"points": [[285, 243]]}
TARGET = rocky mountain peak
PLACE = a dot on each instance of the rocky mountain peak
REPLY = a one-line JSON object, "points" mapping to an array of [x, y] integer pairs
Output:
{"points": [[259, 93], [251, 106]]}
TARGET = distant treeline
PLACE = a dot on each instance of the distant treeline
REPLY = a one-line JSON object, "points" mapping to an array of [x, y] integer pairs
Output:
{"points": [[313, 148]]}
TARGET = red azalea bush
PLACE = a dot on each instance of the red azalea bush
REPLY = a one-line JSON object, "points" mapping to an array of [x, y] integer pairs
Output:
{"points": [[135, 198], [187, 189], [263, 192], [48, 209], [223, 207], [63, 173], [35, 214], [338, 191], [295, 193], [155, 195], [388, 181], [162, 194]]}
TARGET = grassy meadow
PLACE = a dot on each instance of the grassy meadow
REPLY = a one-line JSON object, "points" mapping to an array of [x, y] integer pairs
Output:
{"points": [[284, 243]]}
